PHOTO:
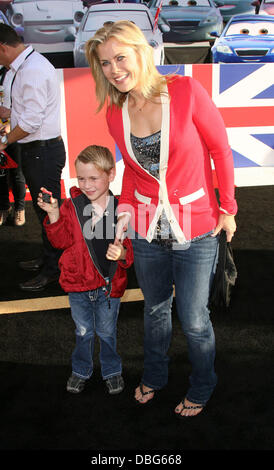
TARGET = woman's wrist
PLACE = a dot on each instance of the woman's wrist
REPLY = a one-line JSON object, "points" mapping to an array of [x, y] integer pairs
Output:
{"points": [[224, 212]]}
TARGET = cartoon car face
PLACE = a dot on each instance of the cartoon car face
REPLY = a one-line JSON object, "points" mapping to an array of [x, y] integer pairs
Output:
{"points": [[245, 39]]}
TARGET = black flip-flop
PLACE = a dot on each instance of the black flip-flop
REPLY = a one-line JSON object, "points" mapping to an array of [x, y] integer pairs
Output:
{"points": [[195, 407], [144, 393]]}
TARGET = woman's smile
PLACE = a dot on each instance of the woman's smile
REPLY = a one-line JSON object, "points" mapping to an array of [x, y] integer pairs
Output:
{"points": [[121, 78]]}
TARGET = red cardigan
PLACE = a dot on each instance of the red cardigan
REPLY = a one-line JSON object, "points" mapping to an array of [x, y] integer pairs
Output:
{"points": [[192, 131], [78, 273]]}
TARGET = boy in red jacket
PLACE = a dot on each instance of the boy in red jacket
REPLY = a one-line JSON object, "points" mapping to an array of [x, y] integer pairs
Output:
{"points": [[93, 268]]}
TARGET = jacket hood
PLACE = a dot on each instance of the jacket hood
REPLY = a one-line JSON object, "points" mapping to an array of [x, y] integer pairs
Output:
{"points": [[74, 191]]}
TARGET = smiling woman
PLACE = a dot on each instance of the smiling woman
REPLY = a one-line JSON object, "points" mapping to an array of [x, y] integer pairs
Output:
{"points": [[161, 126]]}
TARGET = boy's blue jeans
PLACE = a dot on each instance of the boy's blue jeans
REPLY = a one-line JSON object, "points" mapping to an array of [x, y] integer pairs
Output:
{"points": [[191, 270], [92, 315]]}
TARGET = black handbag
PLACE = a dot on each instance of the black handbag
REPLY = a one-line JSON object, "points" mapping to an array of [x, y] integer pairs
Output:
{"points": [[225, 276]]}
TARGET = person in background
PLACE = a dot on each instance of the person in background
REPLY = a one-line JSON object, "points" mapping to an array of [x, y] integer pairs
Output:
{"points": [[36, 125], [10, 178], [167, 129], [93, 267]]}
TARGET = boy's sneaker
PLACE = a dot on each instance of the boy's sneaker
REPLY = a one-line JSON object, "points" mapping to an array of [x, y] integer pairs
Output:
{"points": [[115, 384], [75, 384]]}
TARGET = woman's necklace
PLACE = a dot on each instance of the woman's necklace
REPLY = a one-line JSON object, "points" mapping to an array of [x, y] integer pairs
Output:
{"points": [[142, 107], [139, 108]]}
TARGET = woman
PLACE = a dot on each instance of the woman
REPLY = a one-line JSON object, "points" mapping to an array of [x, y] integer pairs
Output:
{"points": [[166, 129]]}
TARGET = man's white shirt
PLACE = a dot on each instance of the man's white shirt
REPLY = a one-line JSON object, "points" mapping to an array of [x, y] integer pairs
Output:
{"points": [[35, 96]]}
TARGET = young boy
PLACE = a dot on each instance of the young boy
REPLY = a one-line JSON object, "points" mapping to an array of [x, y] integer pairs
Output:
{"points": [[93, 268]]}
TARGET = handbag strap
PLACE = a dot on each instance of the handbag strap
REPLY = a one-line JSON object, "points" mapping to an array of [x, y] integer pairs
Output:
{"points": [[223, 244]]}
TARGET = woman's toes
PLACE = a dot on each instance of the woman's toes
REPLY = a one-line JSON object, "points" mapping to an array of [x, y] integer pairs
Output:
{"points": [[143, 398], [184, 410], [179, 408], [138, 395]]}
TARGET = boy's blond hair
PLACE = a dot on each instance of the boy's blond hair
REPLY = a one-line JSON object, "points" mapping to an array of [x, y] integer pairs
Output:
{"points": [[100, 157]]}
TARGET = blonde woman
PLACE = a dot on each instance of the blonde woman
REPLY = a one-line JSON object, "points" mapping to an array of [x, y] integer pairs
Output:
{"points": [[167, 128]]}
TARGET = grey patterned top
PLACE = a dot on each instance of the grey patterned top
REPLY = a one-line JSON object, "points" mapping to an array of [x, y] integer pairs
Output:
{"points": [[147, 152]]}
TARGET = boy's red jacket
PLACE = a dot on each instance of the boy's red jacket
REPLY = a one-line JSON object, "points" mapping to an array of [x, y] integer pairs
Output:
{"points": [[78, 272]]}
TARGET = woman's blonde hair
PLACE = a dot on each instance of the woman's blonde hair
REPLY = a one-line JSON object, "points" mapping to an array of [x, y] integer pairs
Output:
{"points": [[126, 32], [100, 157]]}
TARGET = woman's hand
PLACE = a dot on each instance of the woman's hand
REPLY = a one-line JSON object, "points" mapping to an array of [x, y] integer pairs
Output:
{"points": [[122, 227], [227, 223]]}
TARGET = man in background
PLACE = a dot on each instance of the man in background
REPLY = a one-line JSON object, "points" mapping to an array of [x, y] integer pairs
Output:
{"points": [[35, 125]]}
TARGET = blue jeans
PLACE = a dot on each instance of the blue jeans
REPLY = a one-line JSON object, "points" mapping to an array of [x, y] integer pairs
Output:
{"points": [[92, 315], [191, 270]]}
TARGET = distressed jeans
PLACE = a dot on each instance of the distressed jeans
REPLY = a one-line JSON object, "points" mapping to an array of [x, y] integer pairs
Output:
{"points": [[92, 316], [191, 270]]}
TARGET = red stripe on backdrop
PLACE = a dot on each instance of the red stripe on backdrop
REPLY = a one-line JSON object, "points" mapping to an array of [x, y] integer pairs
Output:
{"points": [[86, 127], [248, 116], [203, 73]]}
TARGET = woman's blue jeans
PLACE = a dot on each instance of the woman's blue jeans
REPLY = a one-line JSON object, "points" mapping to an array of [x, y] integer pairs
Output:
{"points": [[92, 316], [191, 270]]}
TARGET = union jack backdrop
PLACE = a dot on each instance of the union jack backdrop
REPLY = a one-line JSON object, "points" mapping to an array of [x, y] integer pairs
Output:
{"points": [[243, 93]]}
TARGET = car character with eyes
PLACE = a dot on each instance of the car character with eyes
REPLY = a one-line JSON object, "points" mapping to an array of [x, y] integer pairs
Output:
{"points": [[47, 22], [246, 38], [189, 20]]}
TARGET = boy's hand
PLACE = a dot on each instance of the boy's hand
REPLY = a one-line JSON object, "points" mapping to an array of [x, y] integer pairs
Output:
{"points": [[116, 251], [47, 206], [52, 207]]}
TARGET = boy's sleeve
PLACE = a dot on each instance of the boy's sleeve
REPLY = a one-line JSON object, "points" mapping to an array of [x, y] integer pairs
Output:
{"points": [[129, 254], [60, 233]]}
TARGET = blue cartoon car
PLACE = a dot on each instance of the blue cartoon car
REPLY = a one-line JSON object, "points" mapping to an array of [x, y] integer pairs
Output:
{"points": [[246, 38]]}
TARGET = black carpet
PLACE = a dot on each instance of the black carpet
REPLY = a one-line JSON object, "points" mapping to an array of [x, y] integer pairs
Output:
{"points": [[37, 414]]}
